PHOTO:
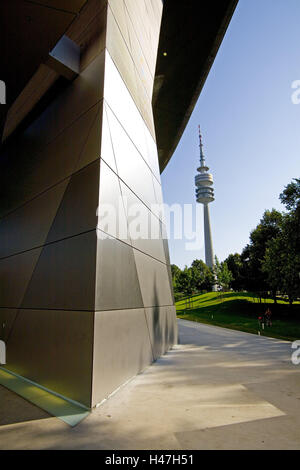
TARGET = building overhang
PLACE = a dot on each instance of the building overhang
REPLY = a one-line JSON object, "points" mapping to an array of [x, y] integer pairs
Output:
{"points": [[29, 30], [191, 34]]}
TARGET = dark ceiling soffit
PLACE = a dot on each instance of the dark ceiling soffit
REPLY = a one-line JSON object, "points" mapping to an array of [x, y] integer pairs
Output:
{"points": [[168, 141], [23, 23]]}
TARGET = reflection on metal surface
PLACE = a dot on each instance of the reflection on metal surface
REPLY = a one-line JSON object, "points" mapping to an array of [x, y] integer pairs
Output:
{"points": [[67, 410]]}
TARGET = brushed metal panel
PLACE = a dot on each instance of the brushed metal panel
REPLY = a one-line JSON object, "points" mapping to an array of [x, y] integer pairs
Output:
{"points": [[64, 277], [143, 37], [78, 97], [15, 275], [166, 242], [167, 257], [147, 30], [107, 151], [89, 30], [111, 213], [61, 156], [162, 326], [35, 89], [64, 5], [119, 53], [140, 61], [77, 210], [118, 10], [132, 168], [172, 325], [145, 107], [152, 155], [158, 209], [123, 106], [28, 226], [122, 349], [117, 283], [154, 281], [28, 32], [92, 146], [7, 317], [28, 173], [54, 349], [144, 227], [157, 7]]}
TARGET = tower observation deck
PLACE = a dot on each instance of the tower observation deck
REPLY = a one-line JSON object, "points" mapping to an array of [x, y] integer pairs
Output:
{"points": [[205, 195]]}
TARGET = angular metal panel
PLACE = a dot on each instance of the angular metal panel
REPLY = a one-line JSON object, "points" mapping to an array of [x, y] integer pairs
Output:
{"points": [[154, 281], [144, 105], [15, 275], [145, 28], [53, 348], [77, 210], [140, 62], [132, 168], [28, 226], [127, 331], [7, 318], [162, 326], [64, 277], [91, 150], [117, 283], [111, 213], [118, 10], [152, 155], [73, 102], [29, 173], [121, 56], [107, 151], [144, 227], [121, 103]]}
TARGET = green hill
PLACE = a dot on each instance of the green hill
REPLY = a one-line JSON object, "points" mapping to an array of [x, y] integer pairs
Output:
{"points": [[240, 311]]}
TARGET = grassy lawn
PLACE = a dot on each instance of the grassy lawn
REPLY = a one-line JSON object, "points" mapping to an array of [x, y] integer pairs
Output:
{"points": [[240, 311]]}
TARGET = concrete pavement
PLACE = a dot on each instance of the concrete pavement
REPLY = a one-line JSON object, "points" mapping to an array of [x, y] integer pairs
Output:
{"points": [[218, 389]]}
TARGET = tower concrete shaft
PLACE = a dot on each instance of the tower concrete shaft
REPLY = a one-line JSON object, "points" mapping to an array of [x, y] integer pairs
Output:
{"points": [[209, 254], [205, 195]]}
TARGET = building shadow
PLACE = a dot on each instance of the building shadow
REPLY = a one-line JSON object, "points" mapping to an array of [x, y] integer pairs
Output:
{"points": [[15, 409]]}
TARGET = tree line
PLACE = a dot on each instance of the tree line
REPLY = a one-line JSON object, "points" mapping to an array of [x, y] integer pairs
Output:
{"points": [[270, 262]]}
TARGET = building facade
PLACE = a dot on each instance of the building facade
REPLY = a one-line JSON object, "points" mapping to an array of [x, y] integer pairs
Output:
{"points": [[85, 304]]}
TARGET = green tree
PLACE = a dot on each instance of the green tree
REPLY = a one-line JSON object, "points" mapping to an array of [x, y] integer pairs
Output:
{"points": [[203, 278], [185, 281], [255, 278], [175, 270], [235, 265], [282, 258], [290, 197], [223, 275]]}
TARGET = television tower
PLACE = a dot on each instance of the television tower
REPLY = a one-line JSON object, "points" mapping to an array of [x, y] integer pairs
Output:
{"points": [[205, 195]]}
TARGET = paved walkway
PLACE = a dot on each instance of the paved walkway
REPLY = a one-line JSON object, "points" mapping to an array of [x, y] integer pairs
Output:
{"points": [[218, 389]]}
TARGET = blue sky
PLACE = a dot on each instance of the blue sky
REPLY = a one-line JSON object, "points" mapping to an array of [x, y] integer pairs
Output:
{"points": [[250, 127]]}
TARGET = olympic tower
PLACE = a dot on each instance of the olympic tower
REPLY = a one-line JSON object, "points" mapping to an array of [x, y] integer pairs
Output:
{"points": [[205, 195]]}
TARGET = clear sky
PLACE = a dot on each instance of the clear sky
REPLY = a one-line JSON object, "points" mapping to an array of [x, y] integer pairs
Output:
{"points": [[250, 127]]}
